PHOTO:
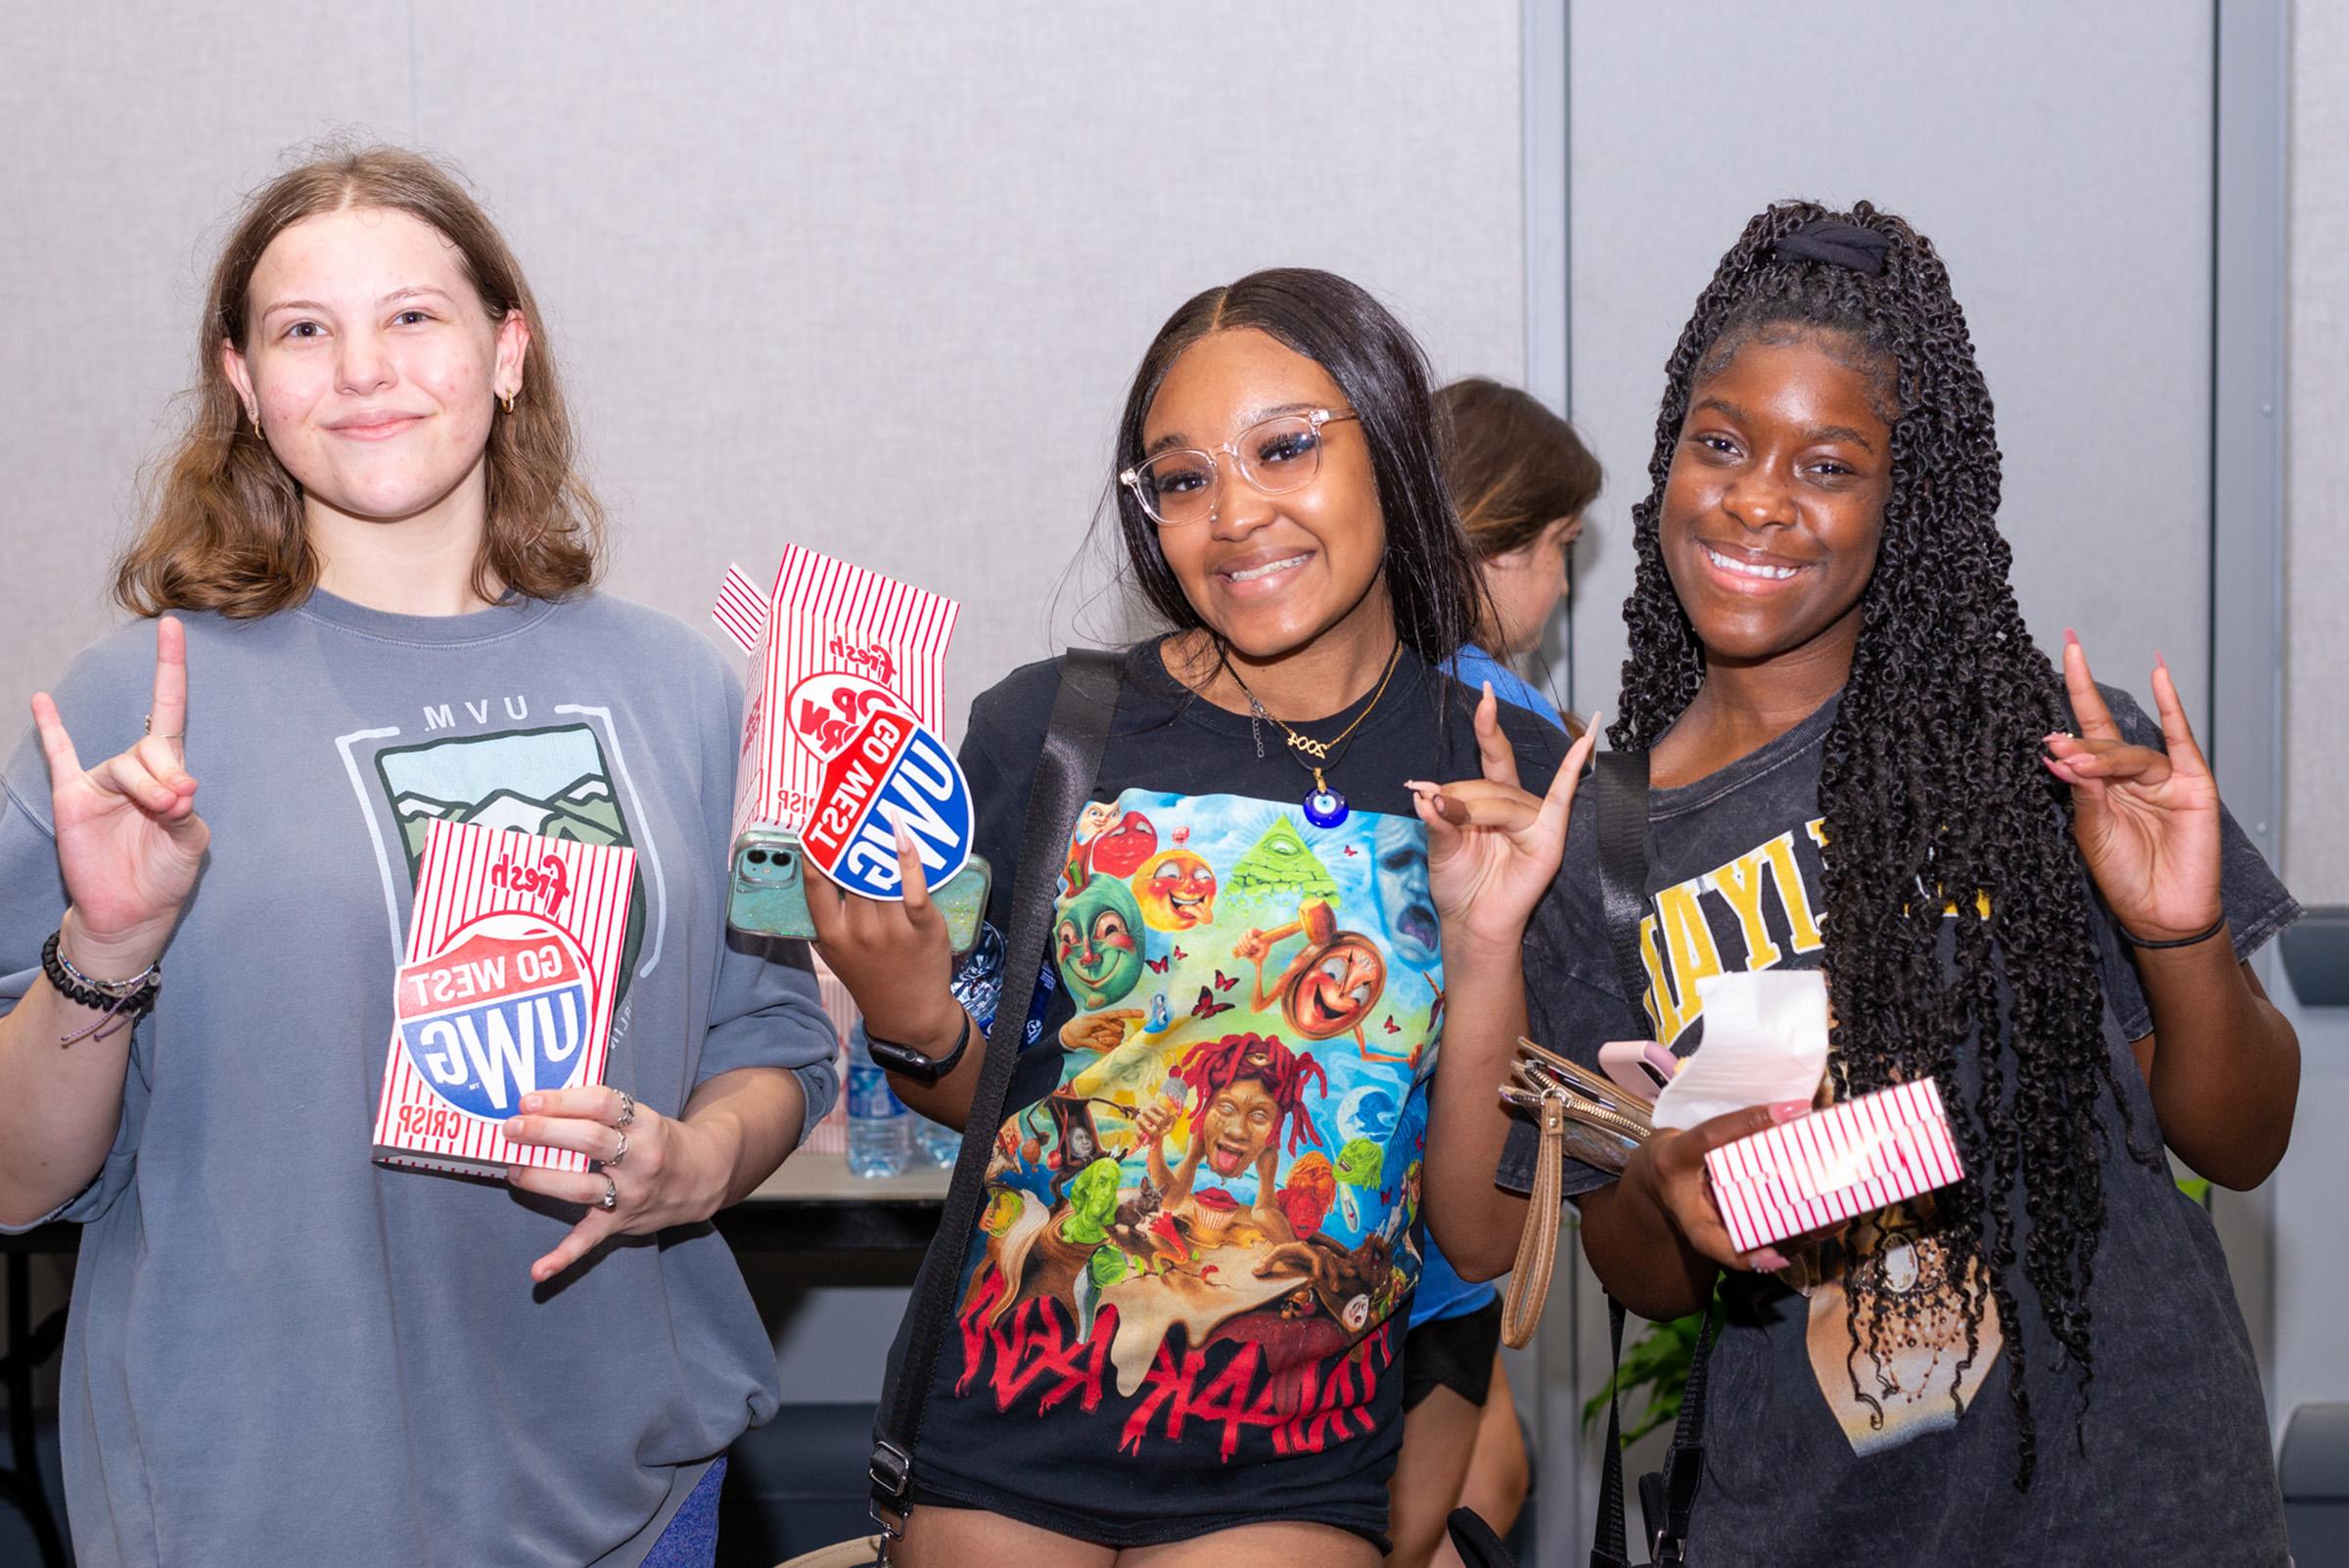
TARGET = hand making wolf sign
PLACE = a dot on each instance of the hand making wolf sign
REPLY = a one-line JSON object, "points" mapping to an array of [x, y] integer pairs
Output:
{"points": [[2146, 822], [129, 843]]}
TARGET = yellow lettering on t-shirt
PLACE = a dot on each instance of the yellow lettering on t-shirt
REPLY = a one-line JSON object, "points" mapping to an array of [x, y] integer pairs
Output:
{"points": [[1793, 891], [1740, 883], [1691, 957]]}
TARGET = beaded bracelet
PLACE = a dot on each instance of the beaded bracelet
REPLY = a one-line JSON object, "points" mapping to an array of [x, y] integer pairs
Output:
{"points": [[116, 1008], [2133, 941]]}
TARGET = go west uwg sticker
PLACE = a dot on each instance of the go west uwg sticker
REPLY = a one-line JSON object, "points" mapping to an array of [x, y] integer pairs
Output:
{"points": [[513, 958], [888, 770]]}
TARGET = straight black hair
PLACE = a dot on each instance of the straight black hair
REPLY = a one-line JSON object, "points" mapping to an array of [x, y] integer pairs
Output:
{"points": [[1430, 568]]}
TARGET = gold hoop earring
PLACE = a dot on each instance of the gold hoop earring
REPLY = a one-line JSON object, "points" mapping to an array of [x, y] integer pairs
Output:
{"points": [[254, 414], [508, 400]]}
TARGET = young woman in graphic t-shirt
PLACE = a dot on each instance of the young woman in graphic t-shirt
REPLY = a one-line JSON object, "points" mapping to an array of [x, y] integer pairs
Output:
{"points": [[369, 568], [2017, 884], [1176, 1339]]}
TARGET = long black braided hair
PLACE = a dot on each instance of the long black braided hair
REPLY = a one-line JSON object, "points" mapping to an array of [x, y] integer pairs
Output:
{"points": [[1932, 791]]}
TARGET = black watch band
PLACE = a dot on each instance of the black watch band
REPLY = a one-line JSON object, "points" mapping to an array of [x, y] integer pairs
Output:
{"points": [[907, 1062]]}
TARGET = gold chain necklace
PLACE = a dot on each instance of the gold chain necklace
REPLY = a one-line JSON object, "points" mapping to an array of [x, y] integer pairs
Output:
{"points": [[1323, 807]]}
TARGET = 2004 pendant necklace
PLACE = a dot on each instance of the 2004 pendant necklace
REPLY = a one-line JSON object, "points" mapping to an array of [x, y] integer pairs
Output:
{"points": [[1324, 807]]}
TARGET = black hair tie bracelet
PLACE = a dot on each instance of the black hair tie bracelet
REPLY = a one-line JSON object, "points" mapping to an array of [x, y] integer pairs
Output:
{"points": [[119, 1002], [2202, 936]]}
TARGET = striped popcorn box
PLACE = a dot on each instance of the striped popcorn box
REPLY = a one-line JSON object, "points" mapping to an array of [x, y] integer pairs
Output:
{"points": [[829, 643], [831, 1134], [1822, 1169], [512, 964]]}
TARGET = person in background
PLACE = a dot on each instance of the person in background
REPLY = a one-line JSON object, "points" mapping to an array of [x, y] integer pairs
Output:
{"points": [[1521, 480], [365, 600]]}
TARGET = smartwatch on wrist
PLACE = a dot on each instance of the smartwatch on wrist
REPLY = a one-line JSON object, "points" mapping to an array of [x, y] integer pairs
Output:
{"points": [[907, 1062]]}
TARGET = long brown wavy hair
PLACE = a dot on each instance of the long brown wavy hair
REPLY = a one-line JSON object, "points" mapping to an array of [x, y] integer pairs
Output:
{"points": [[224, 516], [1512, 466]]}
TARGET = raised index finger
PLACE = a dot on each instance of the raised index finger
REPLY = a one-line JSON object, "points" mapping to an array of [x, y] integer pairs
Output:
{"points": [[167, 710], [1493, 748]]}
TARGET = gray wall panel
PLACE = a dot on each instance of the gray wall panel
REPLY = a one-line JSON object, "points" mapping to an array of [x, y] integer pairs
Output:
{"points": [[2316, 745], [868, 278], [2060, 156], [2310, 1263], [874, 280], [131, 131]]}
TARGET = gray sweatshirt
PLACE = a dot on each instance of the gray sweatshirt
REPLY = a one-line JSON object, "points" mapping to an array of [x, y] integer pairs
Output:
{"points": [[281, 1352]]}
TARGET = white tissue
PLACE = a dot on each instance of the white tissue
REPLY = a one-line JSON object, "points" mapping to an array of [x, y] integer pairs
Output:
{"points": [[1766, 1040]]}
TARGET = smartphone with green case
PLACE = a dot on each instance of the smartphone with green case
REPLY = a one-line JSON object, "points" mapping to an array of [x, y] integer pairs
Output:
{"points": [[769, 894]]}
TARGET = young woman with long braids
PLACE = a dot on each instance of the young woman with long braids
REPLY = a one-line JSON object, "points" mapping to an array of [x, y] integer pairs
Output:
{"points": [[1179, 1320], [2016, 883]]}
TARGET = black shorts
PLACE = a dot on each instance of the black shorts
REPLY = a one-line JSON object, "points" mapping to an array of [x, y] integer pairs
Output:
{"points": [[1454, 1351]]}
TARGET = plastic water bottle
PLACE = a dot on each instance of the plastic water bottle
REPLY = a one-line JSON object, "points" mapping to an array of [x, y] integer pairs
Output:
{"points": [[936, 1142], [879, 1127]]}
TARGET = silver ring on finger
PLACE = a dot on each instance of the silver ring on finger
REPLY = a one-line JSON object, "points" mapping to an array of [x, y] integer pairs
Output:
{"points": [[613, 1160], [147, 725], [611, 1198], [627, 1114]]}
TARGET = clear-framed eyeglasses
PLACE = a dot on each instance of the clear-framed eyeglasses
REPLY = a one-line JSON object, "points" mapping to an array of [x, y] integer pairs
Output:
{"points": [[1277, 455]]}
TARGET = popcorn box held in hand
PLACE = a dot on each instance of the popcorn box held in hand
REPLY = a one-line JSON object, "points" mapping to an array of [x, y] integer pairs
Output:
{"points": [[512, 964], [829, 644], [1827, 1167]]}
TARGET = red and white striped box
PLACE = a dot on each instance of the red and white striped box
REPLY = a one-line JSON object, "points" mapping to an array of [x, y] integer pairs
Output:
{"points": [[512, 964], [1824, 1167], [826, 643]]}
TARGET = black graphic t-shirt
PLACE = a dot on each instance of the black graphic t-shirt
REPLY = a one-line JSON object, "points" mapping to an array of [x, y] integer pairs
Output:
{"points": [[1820, 1455], [1182, 1304]]}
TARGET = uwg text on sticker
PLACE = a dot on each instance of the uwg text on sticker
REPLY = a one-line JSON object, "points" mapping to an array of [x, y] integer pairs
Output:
{"points": [[504, 1012], [892, 772], [505, 986]]}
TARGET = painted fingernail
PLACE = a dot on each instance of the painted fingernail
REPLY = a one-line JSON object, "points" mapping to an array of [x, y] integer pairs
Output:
{"points": [[2071, 637], [1788, 1110], [1765, 1262], [1418, 786]]}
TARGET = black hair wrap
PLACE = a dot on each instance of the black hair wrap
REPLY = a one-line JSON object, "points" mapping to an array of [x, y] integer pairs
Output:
{"points": [[1836, 245]]}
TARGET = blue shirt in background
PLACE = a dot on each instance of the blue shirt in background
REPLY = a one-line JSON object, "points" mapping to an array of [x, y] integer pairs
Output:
{"points": [[1472, 666], [1442, 1292]]}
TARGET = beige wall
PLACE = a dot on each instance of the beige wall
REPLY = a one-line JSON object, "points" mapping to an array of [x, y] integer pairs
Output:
{"points": [[871, 278]]}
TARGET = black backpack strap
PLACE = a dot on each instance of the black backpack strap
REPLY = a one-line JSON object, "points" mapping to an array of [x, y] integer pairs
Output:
{"points": [[1684, 1461], [1606, 1541], [1618, 786], [1074, 738]]}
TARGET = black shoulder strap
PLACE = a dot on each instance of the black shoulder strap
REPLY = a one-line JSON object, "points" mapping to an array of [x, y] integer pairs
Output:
{"points": [[1619, 782], [1074, 738], [1619, 794]]}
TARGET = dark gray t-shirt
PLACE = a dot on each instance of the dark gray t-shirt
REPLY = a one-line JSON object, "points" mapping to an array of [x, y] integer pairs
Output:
{"points": [[281, 1352], [1798, 1466]]}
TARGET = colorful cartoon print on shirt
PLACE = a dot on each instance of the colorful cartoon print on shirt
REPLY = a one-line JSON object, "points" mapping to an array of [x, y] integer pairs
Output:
{"points": [[1221, 1187], [1096, 939], [1177, 890]]}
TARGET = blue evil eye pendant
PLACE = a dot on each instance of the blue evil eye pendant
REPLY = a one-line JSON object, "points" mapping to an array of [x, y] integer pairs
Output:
{"points": [[1324, 807]]}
